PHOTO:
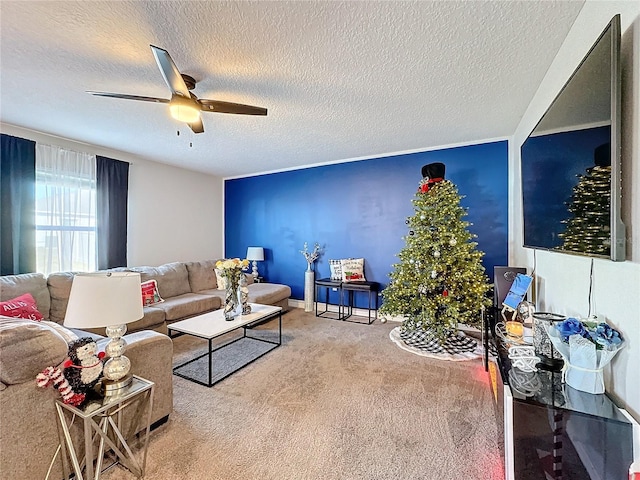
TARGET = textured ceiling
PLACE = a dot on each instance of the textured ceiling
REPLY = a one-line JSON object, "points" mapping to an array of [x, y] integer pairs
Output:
{"points": [[340, 80]]}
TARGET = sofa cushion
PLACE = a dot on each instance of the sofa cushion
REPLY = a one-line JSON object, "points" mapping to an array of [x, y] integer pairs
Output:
{"points": [[187, 305], [172, 278], [59, 287], [23, 306], [202, 275], [28, 347], [12, 286], [69, 334], [151, 320], [268, 293]]}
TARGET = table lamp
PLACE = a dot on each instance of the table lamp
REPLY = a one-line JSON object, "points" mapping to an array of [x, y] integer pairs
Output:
{"points": [[111, 300], [255, 254]]}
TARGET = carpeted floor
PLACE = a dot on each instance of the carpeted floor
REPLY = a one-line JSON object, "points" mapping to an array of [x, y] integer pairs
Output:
{"points": [[337, 400]]}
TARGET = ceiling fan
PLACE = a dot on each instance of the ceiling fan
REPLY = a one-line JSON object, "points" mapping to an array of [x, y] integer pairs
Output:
{"points": [[184, 105]]}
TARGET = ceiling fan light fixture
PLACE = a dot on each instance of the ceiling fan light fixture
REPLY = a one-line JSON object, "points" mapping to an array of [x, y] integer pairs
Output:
{"points": [[184, 110]]}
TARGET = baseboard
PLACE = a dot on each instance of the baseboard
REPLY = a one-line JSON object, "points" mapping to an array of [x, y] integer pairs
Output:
{"points": [[358, 312]]}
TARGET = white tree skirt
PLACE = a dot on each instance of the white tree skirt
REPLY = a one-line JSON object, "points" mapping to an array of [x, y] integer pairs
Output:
{"points": [[456, 357]]}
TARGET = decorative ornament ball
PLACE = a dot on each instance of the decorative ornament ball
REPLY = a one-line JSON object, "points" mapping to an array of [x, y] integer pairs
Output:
{"points": [[411, 260], [445, 293], [383, 320], [452, 242], [434, 274], [436, 253], [406, 221], [411, 232]]}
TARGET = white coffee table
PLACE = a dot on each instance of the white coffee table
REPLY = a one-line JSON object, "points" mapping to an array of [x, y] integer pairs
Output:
{"points": [[212, 325]]}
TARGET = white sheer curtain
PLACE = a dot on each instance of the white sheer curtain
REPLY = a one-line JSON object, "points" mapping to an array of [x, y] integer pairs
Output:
{"points": [[65, 210]]}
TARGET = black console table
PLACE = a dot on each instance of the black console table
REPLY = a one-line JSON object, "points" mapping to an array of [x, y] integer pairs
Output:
{"points": [[346, 305], [553, 431]]}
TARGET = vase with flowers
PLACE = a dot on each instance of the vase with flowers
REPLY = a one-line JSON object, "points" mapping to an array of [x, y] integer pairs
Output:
{"points": [[586, 346], [310, 257], [231, 271]]}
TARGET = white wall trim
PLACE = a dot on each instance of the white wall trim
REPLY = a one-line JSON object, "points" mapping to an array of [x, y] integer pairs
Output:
{"points": [[371, 157]]}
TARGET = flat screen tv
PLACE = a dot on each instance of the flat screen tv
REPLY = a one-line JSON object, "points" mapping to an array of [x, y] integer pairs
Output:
{"points": [[570, 162]]}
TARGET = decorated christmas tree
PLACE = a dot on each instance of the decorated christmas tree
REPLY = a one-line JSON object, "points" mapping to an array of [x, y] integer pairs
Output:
{"points": [[439, 281], [588, 227]]}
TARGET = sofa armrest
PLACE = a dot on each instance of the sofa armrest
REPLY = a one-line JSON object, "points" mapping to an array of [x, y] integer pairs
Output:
{"points": [[151, 355]]}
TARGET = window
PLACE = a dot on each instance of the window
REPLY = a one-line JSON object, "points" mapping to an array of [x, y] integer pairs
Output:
{"points": [[65, 210]]}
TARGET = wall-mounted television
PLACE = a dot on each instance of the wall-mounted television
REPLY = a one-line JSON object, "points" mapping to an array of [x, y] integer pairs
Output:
{"points": [[570, 163]]}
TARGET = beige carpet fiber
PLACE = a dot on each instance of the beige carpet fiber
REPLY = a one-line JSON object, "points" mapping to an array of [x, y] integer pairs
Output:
{"points": [[337, 400]]}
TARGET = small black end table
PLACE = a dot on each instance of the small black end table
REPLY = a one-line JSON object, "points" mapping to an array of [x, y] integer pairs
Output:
{"points": [[326, 284], [350, 288], [345, 306]]}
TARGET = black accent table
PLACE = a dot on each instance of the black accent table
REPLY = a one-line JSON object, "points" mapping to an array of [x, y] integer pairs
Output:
{"points": [[327, 284], [348, 290]]}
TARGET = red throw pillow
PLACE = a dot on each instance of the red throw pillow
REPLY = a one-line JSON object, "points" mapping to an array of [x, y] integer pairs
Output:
{"points": [[23, 306], [150, 294]]}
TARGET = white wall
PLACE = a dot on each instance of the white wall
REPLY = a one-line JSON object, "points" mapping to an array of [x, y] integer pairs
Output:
{"points": [[174, 214], [562, 281]]}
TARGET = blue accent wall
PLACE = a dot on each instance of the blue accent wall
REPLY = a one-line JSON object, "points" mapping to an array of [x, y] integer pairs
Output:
{"points": [[358, 209]]}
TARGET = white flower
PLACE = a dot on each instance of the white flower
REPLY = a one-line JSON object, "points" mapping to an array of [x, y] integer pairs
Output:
{"points": [[311, 256]]}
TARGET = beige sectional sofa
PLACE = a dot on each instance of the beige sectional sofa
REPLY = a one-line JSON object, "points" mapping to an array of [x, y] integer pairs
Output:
{"points": [[187, 288]]}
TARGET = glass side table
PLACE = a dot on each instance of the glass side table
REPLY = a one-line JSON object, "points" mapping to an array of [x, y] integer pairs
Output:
{"points": [[100, 427]]}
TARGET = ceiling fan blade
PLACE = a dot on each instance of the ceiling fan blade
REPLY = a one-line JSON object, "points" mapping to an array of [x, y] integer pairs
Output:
{"points": [[170, 72], [129, 97], [228, 107], [197, 127]]}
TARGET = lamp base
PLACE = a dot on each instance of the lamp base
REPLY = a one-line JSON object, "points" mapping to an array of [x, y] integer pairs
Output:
{"points": [[114, 387]]}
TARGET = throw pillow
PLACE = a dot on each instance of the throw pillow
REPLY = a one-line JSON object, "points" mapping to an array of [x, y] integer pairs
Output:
{"points": [[336, 270], [222, 281], [23, 306], [150, 294], [352, 269]]}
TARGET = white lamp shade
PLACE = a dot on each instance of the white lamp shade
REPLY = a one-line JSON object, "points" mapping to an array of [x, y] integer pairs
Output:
{"points": [[102, 299], [255, 253]]}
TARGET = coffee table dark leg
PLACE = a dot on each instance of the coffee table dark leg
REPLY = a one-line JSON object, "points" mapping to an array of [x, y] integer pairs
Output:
{"points": [[280, 329], [210, 363]]}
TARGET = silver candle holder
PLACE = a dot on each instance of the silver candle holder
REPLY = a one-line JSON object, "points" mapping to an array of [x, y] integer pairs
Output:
{"points": [[550, 358]]}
